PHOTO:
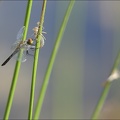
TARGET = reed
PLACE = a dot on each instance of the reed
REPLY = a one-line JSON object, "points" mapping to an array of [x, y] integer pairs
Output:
{"points": [[106, 89], [35, 63], [18, 64], [52, 59]]}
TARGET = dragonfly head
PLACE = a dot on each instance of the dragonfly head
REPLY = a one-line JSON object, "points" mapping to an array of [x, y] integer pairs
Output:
{"points": [[30, 41]]}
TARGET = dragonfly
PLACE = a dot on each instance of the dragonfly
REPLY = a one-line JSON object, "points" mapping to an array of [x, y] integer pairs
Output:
{"points": [[21, 45]]}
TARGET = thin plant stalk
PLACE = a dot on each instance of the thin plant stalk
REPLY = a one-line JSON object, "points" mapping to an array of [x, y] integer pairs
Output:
{"points": [[105, 91], [52, 59], [35, 64], [17, 66]]}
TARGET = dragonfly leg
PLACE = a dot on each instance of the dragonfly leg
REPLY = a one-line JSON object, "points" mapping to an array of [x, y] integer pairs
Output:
{"points": [[33, 47], [29, 53]]}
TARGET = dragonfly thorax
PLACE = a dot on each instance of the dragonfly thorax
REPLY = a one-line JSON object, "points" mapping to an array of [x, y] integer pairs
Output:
{"points": [[30, 41]]}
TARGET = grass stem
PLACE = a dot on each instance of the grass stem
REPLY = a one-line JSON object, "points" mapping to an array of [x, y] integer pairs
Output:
{"points": [[52, 59], [17, 66], [105, 91], [35, 64]]}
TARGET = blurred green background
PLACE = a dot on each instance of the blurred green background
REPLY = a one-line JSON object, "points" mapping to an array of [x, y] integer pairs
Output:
{"points": [[85, 58]]}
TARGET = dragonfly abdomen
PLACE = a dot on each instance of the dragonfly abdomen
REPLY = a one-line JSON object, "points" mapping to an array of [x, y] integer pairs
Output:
{"points": [[10, 57]]}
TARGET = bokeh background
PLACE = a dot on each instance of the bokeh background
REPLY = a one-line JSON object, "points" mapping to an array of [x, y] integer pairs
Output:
{"points": [[86, 55]]}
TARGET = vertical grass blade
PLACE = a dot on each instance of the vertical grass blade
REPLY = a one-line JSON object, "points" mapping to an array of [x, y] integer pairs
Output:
{"points": [[36, 55], [105, 91], [52, 59], [17, 66]]}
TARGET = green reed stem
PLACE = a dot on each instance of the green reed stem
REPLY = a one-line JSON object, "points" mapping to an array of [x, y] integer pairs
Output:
{"points": [[17, 66], [105, 91], [52, 59], [35, 64]]}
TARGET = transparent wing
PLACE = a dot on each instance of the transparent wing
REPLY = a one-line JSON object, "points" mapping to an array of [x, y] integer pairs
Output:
{"points": [[19, 38], [22, 58], [20, 33], [14, 45]]}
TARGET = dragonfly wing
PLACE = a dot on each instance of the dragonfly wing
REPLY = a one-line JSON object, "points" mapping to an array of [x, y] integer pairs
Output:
{"points": [[19, 38], [20, 33], [22, 58], [14, 45], [24, 54]]}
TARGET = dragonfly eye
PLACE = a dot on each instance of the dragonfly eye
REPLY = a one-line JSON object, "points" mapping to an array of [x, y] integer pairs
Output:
{"points": [[30, 41]]}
